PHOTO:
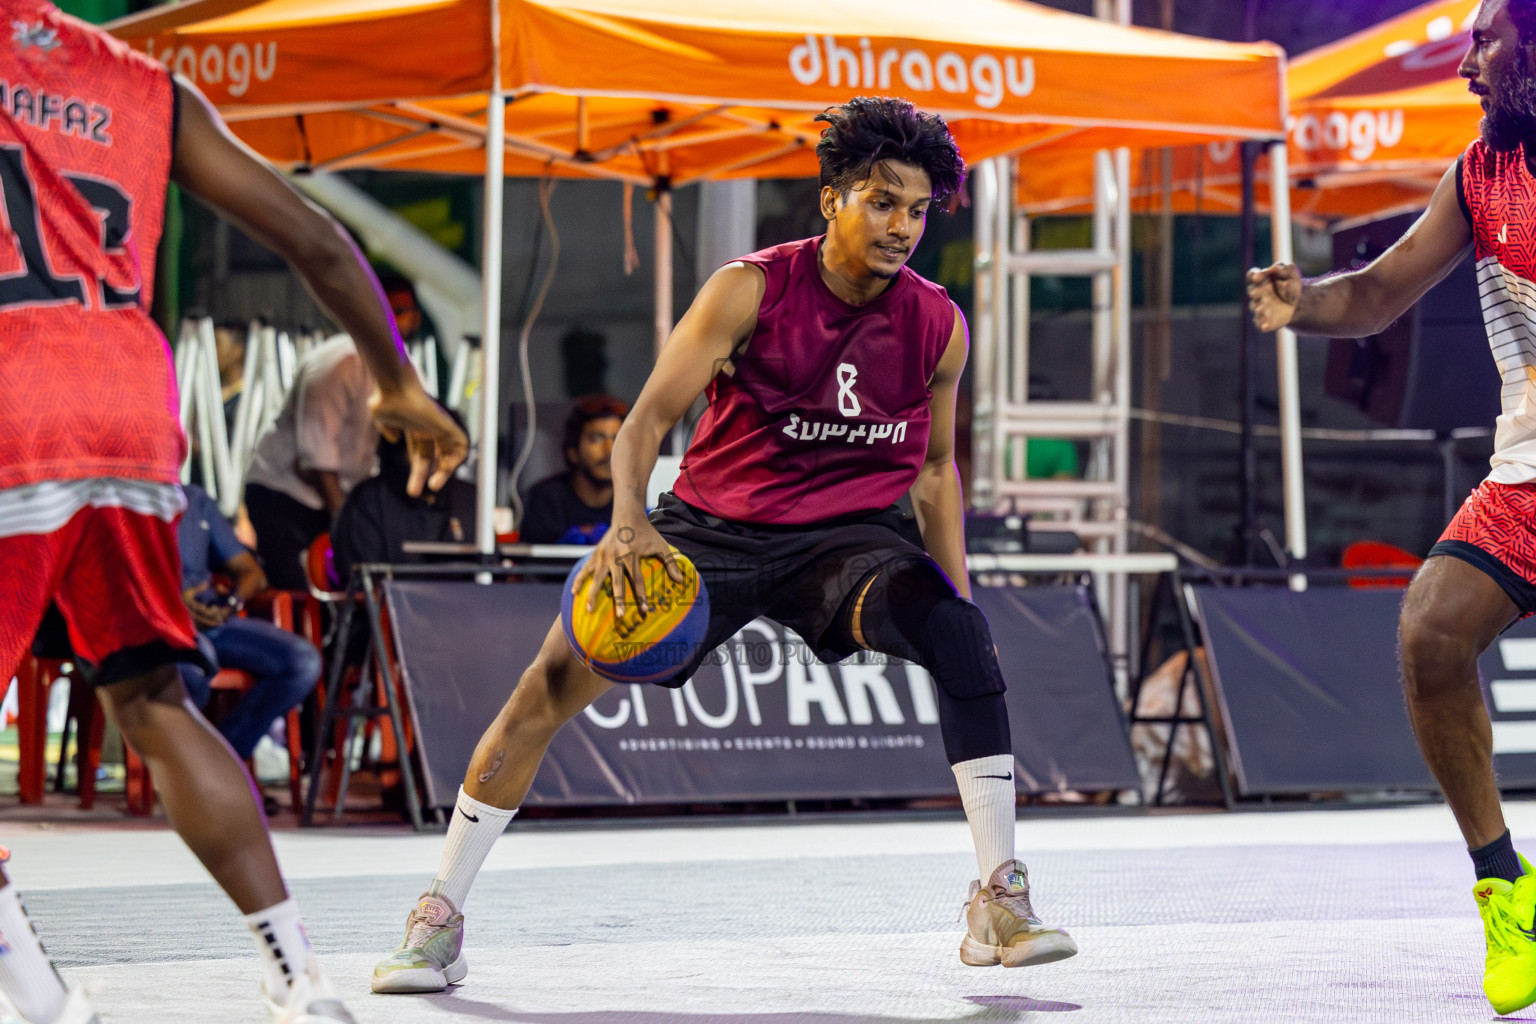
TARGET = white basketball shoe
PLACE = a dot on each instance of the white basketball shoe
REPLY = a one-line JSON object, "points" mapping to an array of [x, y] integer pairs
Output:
{"points": [[77, 1010], [309, 1001]]}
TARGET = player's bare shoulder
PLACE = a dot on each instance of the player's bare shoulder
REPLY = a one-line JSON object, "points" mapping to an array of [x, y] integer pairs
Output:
{"points": [[735, 294]]}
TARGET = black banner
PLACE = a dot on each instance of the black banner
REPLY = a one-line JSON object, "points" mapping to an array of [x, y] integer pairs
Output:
{"points": [[1308, 686], [1508, 671], [763, 720]]}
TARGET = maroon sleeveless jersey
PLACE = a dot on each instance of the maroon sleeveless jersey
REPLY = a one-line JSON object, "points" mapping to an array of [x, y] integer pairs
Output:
{"points": [[826, 414], [87, 388]]}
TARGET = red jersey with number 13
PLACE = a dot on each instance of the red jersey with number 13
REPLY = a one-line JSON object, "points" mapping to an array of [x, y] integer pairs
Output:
{"points": [[87, 387], [826, 414]]}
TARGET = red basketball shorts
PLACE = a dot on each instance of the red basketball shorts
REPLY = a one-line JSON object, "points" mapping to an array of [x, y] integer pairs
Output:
{"points": [[116, 576], [1495, 531]]}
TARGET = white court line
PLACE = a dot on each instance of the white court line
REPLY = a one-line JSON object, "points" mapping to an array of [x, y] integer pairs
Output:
{"points": [[76, 857]]}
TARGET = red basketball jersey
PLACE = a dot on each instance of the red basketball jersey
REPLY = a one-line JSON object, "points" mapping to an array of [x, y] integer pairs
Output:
{"points": [[87, 387], [826, 414], [1498, 195]]}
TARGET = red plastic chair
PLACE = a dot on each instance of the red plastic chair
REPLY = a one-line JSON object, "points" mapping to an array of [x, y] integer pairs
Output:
{"points": [[1372, 554], [278, 608], [34, 680], [317, 562]]}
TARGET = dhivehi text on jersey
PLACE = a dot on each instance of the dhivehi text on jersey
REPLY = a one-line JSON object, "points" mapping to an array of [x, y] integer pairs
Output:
{"points": [[869, 433]]}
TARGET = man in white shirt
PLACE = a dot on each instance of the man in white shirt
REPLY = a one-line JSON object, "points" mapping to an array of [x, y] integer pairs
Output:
{"points": [[321, 445]]}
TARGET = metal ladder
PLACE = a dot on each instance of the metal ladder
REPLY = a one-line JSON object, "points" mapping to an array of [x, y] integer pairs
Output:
{"points": [[1096, 507]]}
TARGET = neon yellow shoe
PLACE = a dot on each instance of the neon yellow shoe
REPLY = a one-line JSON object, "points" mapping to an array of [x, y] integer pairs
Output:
{"points": [[1508, 910]]}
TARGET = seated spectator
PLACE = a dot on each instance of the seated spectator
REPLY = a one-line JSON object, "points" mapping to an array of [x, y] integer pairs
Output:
{"points": [[229, 342], [576, 506], [286, 666], [379, 516], [322, 445]]}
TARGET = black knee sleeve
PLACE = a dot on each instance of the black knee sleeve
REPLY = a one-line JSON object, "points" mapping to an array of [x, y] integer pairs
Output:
{"points": [[977, 727], [962, 660], [912, 611]]}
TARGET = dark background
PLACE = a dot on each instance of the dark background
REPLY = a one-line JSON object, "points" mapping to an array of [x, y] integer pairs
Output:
{"points": [[1391, 492]]}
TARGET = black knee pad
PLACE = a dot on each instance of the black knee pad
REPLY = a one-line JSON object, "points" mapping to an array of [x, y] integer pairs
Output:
{"points": [[912, 611], [896, 605], [964, 662]]}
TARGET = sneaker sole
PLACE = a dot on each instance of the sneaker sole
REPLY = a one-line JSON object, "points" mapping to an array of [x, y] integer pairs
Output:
{"points": [[1508, 1007], [425, 979], [1047, 948]]}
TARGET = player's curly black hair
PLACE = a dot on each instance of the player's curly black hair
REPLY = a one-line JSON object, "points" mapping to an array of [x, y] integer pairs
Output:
{"points": [[869, 129], [1523, 14]]}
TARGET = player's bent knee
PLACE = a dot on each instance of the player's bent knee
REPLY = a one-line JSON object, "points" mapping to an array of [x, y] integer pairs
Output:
{"points": [[1437, 658], [964, 662]]}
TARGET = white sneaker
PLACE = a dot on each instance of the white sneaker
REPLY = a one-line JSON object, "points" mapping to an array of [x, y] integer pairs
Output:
{"points": [[310, 1001], [1001, 926], [77, 1010], [431, 956]]}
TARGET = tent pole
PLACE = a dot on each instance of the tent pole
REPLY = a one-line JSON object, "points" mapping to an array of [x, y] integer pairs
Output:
{"points": [[985, 351], [1290, 375], [663, 254], [490, 344], [1246, 534]]}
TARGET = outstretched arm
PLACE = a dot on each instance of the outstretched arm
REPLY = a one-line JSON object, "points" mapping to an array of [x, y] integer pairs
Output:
{"points": [[936, 495], [215, 166], [721, 317], [1366, 301]]}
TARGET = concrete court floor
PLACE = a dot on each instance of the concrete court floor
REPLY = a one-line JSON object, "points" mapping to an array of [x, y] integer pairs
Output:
{"points": [[1348, 916]]}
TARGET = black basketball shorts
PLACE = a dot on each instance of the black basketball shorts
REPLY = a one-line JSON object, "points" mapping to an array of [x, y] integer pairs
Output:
{"points": [[802, 577]]}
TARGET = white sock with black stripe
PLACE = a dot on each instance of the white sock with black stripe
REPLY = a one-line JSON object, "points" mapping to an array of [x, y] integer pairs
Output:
{"points": [[283, 945], [987, 791], [472, 832], [26, 976]]}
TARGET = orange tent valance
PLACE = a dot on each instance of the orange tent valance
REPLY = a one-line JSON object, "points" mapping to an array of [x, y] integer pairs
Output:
{"points": [[683, 89], [1374, 121]]}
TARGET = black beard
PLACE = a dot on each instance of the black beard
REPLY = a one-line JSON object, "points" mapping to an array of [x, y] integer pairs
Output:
{"points": [[1511, 117]]}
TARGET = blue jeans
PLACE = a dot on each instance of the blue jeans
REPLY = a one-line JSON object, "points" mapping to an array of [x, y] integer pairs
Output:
{"points": [[286, 667]]}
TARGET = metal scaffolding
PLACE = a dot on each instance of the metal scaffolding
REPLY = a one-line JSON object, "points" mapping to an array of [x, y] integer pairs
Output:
{"points": [[1096, 506]]}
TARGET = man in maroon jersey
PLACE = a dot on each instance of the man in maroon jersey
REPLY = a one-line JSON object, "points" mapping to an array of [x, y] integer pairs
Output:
{"points": [[831, 371], [90, 446], [1481, 575]]}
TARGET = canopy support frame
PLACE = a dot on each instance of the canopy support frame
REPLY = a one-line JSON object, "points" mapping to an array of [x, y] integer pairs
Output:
{"points": [[490, 290]]}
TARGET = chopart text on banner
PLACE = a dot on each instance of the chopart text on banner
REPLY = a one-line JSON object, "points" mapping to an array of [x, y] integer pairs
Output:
{"points": [[233, 67], [989, 78], [765, 665]]}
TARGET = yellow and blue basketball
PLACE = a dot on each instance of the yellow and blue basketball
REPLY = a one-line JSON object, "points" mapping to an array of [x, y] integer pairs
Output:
{"points": [[640, 646]]}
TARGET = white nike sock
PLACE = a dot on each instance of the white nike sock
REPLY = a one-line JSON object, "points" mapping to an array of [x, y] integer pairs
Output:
{"points": [[26, 976], [986, 790], [471, 834], [283, 945]]}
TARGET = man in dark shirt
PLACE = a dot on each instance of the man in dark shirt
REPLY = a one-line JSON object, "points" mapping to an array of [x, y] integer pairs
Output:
{"points": [[379, 516], [576, 506], [285, 665]]}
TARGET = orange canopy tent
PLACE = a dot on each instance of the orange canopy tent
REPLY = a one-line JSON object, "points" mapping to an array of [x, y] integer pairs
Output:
{"points": [[684, 89], [1375, 119], [665, 92]]}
